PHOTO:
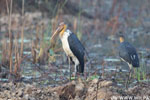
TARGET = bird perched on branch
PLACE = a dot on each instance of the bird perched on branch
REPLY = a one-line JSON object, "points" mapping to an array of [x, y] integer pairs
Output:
{"points": [[128, 54], [73, 48]]}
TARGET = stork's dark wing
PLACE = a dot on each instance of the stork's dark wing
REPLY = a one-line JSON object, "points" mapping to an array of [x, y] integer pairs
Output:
{"points": [[78, 50], [129, 54]]}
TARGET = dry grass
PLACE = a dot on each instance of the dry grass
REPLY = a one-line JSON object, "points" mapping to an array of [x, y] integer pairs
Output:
{"points": [[22, 30], [10, 37], [13, 49], [5, 57]]}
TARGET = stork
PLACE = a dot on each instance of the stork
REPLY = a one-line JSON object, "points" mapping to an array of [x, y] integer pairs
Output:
{"points": [[128, 54], [73, 48]]}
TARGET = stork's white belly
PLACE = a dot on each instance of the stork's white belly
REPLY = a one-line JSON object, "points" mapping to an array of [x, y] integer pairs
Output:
{"points": [[66, 47]]}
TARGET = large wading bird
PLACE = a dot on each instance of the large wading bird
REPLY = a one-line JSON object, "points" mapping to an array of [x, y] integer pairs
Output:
{"points": [[128, 54], [73, 48]]}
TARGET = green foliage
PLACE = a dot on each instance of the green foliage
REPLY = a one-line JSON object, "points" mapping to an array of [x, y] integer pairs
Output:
{"points": [[138, 74], [72, 78], [141, 71], [93, 77]]}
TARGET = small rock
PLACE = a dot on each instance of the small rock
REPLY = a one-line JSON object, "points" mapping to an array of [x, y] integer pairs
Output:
{"points": [[7, 93], [105, 83], [26, 96], [79, 87], [38, 91], [77, 98], [20, 93], [14, 93], [29, 88], [10, 84], [90, 89]]}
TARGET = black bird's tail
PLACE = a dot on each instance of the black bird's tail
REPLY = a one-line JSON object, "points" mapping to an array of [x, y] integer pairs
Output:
{"points": [[80, 67], [135, 63]]}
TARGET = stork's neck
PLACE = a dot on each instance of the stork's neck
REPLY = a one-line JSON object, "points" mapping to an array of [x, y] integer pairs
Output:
{"points": [[67, 32], [121, 39], [62, 31]]}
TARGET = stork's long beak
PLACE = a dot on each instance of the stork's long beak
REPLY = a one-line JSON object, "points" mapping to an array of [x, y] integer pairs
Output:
{"points": [[52, 40], [55, 34], [58, 30]]}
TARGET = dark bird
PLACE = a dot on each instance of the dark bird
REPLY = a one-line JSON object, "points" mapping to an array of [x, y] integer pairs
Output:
{"points": [[73, 48], [128, 54]]}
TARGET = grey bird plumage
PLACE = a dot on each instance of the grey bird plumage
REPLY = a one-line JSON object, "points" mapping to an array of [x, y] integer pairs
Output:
{"points": [[128, 53]]}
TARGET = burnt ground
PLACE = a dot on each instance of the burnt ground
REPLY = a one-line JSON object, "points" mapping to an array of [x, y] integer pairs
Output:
{"points": [[75, 90]]}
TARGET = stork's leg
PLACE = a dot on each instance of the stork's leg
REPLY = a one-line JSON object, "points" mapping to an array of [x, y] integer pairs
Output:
{"points": [[87, 75], [129, 77], [75, 71], [69, 67]]}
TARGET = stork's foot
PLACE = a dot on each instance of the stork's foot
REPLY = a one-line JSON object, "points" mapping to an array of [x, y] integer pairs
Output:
{"points": [[126, 84], [77, 75], [73, 76]]}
